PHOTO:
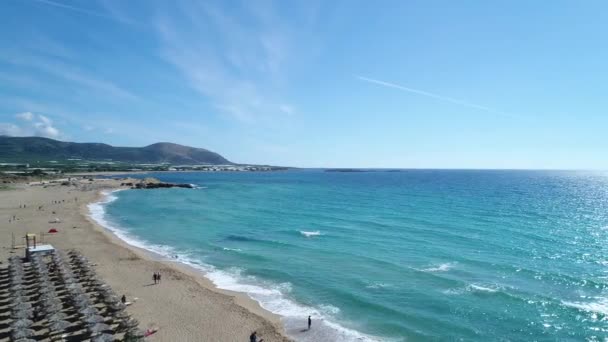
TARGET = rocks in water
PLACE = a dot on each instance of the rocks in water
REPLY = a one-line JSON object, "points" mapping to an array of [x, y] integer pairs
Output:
{"points": [[151, 183]]}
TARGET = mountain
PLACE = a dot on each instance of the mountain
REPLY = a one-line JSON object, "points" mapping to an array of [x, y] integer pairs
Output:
{"points": [[28, 149]]}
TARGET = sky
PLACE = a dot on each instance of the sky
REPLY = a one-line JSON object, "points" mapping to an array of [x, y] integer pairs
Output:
{"points": [[343, 83]]}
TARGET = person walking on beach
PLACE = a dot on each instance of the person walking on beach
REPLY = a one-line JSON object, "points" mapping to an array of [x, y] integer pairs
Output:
{"points": [[155, 278], [123, 299], [158, 277], [309, 322]]}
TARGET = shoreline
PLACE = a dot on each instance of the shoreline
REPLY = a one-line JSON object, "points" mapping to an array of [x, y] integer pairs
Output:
{"points": [[279, 310], [187, 306], [241, 298]]}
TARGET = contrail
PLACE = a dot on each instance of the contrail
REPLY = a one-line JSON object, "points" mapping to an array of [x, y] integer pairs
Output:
{"points": [[426, 93], [81, 10]]}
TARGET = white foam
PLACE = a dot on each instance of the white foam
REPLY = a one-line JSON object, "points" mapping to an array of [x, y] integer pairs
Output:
{"points": [[440, 268], [471, 288], [600, 306], [232, 249], [310, 234], [378, 285], [479, 288], [272, 297]]}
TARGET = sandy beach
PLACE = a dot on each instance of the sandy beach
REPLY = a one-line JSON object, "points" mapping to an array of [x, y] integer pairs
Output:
{"points": [[184, 307]]}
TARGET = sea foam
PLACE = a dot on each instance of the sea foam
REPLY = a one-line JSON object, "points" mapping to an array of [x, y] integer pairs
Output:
{"points": [[310, 234], [272, 297], [440, 268]]}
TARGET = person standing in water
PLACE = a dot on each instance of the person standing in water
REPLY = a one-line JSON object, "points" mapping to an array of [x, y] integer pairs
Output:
{"points": [[309, 322]]}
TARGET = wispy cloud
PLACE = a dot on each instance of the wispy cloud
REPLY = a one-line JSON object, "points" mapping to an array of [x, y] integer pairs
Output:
{"points": [[82, 10], [426, 93], [236, 60], [69, 73]]}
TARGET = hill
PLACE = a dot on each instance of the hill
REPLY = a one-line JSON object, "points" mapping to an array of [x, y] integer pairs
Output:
{"points": [[29, 149]]}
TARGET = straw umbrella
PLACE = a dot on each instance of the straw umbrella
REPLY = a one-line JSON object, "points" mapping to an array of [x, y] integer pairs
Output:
{"points": [[17, 314], [57, 316], [60, 326], [116, 306], [98, 328], [103, 338], [21, 323], [89, 310], [128, 324], [133, 335], [93, 318], [17, 334], [121, 315], [22, 306]]}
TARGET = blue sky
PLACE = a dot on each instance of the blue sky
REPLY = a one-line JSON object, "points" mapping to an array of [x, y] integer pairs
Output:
{"points": [[421, 84]]}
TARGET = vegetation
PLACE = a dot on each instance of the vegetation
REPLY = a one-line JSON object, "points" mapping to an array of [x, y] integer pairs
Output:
{"points": [[41, 150]]}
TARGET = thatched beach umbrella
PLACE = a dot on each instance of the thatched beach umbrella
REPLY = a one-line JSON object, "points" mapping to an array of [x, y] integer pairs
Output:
{"points": [[98, 328], [46, 289], [103, 338], [89, 310], [17, 314], [19, 298], [92, 319], [17, 334], [116, 306], [17, 287], [133, 335], [51, 301], [121, 315], [60, 326], [128, 324], [48, 296], [57, 316], [22, 306], [21, 323]]}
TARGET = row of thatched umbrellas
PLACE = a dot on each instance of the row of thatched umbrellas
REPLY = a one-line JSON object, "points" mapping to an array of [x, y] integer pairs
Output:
{"points": [[64, 294]]}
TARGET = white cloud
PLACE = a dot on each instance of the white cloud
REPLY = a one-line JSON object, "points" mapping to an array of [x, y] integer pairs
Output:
{"points": [[10, 129], [27, 116], [31, 124], [45, 120]]}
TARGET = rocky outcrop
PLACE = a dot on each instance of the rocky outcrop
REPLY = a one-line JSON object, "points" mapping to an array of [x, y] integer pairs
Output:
{"points": [[153, 183], [160, 185]]}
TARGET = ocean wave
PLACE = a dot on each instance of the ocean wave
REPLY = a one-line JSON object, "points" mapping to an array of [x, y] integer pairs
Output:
{"points": [[598, 307], [271, 297], [310, 234], [472, 288], [378, 285], [479, 288], [232, 249], [440, 268]]}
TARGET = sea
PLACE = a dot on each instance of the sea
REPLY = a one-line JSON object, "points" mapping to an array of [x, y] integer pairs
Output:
{"points": [[390, 255]]}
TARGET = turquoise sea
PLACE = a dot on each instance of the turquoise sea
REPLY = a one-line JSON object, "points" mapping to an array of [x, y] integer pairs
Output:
{"points": [[412, 255]]}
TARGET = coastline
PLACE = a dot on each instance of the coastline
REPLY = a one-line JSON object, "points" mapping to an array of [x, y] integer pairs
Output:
{"points": [[185, 307]]}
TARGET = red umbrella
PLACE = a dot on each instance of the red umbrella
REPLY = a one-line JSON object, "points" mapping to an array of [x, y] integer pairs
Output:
{"points": [[53, 230]]}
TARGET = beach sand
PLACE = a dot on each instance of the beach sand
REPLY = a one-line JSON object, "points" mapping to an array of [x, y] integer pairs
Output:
{"points": [[184, 307]]}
